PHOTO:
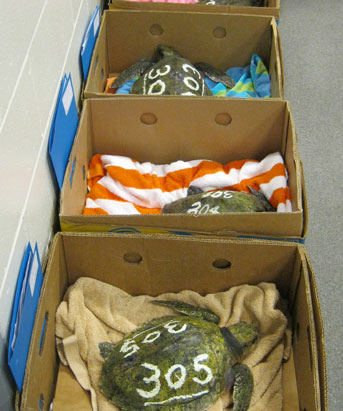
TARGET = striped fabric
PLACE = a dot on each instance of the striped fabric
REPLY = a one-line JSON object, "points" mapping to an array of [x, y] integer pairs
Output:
{"points": [[251, 81], [120, 185]]}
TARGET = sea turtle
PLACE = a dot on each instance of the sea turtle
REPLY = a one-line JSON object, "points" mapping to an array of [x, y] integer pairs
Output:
{"points": [[170, 74], [218, 202], [252, 3], [178, 363]]}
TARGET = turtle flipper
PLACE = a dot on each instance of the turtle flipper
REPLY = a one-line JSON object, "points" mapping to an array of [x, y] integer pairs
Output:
{"points": [[215, 74], [189, 309], [263, 198], [242, 387], [135, 70]]}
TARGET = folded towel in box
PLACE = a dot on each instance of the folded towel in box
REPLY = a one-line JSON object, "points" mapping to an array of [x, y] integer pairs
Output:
{"points": [[120, 185]]}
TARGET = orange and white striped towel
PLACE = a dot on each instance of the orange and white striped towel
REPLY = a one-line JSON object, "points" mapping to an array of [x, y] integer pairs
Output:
{"points": [[120, 185]]}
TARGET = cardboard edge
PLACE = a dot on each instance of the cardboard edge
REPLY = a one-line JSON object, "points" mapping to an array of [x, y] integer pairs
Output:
{"points": [[320, 333], [279, 59], [317, 341], [304, 201]]}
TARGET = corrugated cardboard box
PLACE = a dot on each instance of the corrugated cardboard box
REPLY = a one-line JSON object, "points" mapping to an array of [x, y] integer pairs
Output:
{"points": [[163, 130], [223, 40], [173, 264], [270, 7]]}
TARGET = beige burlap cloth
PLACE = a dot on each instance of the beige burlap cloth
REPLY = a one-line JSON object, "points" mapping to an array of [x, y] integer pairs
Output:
{"points": [[94, 312]]}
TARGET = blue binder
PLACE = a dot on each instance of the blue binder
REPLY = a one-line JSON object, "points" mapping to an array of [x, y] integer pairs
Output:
{"points": [[63, 128], [26, 299], [89, 40]]}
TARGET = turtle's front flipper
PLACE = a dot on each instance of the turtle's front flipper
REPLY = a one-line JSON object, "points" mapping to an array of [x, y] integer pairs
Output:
{"points": [[189, 309], [215, 74], [135, 70], [242, 387]]}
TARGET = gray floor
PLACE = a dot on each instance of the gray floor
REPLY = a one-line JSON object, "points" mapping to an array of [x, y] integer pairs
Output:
{"points": [[312, 37]]}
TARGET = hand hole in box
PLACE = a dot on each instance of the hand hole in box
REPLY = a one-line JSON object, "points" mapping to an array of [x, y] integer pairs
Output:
{"points": [[95, 63], [156, 30], [41, 402], [148, 118], [219, 32], [133, 258], [221, 264], [43, 333], [102, 74], [83, 173], [223, 119]]}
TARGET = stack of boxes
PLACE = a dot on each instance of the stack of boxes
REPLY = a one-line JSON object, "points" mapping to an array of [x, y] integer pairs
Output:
{"points": [[161, 130]]}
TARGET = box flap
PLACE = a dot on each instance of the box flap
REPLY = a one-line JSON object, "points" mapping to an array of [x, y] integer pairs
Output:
{"points": [[88, 42], [24, 310], [63, 128]]}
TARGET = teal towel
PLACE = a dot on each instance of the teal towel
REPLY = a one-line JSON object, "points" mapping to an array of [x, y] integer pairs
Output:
{"points": [[251, 81]]}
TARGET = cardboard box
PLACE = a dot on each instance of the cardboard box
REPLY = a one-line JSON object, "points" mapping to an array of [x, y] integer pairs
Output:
{"points": [[185, 129], [221, 39], [173, 264], [270, 8]]}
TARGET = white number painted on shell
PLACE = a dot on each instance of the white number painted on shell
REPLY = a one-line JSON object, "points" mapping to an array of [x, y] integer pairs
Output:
{"points": [[205, 209], [188, 93], [180, 379], [175, 378], [159, 72], [198, 367], [129, 347], [151, 337], [187, 67], [171, 327], [191, 83], [159, 86], [217, 194], [154, 378]]}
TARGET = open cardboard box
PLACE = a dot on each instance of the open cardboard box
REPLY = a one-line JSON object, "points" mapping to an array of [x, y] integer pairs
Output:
{"points": [[270, 7], [163, 130], [221, 39], [172, 264]]}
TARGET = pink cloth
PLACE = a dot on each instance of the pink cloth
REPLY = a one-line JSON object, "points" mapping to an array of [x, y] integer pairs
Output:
{"points": [[168, 1]]}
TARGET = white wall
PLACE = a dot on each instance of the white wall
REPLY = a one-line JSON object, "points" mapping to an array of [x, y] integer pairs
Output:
{"points": [[39, 41]]}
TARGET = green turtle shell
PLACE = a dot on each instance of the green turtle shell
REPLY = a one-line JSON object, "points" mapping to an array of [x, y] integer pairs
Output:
{"points": [[171, 363], [172, 75], [217, 202]]}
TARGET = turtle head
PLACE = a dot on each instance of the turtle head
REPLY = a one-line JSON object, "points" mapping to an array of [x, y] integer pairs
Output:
{"points": [[244, 333], [106, 349], [165, 51]]}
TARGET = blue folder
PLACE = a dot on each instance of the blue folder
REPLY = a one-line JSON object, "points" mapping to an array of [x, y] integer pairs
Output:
{"points": [[63, 128], [26, 299], [89, 40]]}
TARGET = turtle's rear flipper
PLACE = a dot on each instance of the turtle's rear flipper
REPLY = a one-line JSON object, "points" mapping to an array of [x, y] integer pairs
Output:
{"points": [[215, 74], [189, 309], [135, 70], [242, 387], [263, 198]]}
